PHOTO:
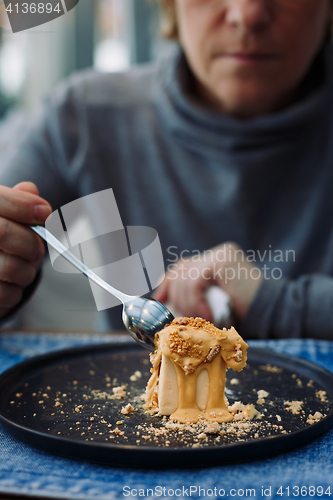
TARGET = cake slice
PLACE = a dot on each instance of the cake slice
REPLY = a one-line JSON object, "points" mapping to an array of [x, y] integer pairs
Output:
{"points": [[189, 367]]}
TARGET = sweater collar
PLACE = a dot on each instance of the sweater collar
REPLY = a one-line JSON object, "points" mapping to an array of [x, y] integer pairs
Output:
{"points": [[197, 126]]}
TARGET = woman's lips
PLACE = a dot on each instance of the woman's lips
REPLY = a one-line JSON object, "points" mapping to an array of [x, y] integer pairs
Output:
{"points": [[249, 57]]}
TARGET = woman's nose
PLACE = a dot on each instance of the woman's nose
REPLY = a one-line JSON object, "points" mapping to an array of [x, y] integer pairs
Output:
{"points": [[253, 15]]}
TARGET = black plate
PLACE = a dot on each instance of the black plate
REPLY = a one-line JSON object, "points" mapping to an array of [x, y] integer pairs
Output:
{"points": [[40, 404]]}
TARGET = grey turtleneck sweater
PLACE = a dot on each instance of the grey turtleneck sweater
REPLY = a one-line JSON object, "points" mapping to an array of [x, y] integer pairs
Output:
{"points": [[200, 179]]}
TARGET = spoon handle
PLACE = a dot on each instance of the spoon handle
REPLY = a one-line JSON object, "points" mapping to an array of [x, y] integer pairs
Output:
{"points": [[66, 254]]}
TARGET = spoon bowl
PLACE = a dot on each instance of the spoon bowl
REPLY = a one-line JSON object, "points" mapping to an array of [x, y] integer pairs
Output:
{"points": [[143, 317]]}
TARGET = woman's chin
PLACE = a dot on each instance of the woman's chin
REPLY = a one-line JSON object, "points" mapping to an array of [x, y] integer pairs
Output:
{"points": [[245, 99], [247, 105]]}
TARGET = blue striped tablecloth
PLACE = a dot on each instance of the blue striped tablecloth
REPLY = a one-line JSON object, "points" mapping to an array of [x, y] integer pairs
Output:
{"points": [[27, 471]]}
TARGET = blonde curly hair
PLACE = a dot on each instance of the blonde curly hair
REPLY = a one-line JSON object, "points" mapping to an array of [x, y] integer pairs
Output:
{"points": [[169, 19]]}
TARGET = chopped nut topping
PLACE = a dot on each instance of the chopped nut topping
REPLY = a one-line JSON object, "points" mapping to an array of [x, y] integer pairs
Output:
{"points": [[213, 353], [127, 409], [313, 419], [294, 406], [262, 394]]}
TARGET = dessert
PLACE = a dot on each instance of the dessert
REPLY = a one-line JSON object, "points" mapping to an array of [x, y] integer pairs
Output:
{"points": [[189, 368]]}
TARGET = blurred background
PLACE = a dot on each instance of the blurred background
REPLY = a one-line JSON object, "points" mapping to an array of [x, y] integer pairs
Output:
{"points": [[108, 35]]}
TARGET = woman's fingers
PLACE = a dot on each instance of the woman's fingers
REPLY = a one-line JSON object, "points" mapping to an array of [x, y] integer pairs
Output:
{"points": [[193, 298], [10, 295], [17, 271], [199, 304], [19, 208], [184, 287], [28, 187], [20, 241], [21, 250], [186, 283], [23, 207]]}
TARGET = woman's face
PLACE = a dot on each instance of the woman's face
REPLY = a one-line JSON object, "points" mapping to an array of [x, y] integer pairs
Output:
{"points": [[249, 56]]}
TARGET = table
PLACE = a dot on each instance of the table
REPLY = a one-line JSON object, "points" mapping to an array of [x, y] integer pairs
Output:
{"points": [[36, 474]]}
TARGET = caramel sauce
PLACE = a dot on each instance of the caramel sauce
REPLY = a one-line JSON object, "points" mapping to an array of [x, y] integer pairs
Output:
{"points": [[193, 345]]}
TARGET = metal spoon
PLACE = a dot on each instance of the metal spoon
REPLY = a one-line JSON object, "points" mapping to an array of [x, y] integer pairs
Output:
{"points": [[142, 316]]}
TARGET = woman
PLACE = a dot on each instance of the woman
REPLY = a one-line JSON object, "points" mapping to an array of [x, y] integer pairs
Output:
{"points": [[227, 139]]}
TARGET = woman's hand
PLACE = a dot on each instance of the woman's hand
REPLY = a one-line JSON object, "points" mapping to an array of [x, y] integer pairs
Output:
{"points": [[21, 250], [186, 283]]}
